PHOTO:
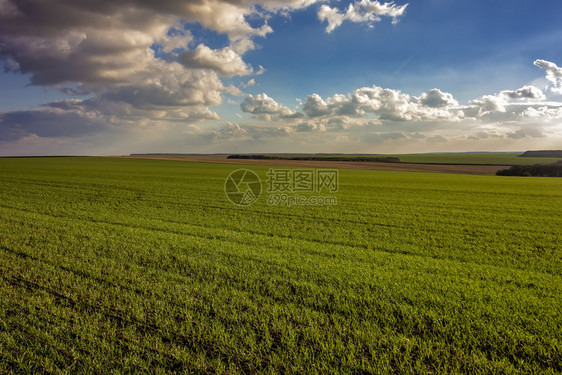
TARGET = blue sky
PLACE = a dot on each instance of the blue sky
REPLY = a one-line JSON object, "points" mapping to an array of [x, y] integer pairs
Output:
{"points": [[212, 76], [464, 47]]}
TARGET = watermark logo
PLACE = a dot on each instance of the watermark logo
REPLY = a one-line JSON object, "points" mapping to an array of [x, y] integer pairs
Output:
{"points": [[302, 180], [284, 186], [242, 187]]}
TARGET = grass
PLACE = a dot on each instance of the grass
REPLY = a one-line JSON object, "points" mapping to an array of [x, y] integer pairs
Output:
{"points": [[463, 158], [489, 159], [122, 265]]}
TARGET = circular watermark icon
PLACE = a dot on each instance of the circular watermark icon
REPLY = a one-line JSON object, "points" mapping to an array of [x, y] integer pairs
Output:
{"points": [[242, 187]]}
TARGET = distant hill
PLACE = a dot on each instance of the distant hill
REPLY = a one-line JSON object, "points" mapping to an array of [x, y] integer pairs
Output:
{"points": [[542, 154]]}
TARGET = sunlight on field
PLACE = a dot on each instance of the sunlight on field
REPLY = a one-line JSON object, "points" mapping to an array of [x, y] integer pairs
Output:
{"points": [[145, 265], [473, 159]]}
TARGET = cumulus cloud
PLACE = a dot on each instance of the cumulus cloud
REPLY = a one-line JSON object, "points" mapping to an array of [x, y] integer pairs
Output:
{"points": [[341, 111], [385, 104], [240, 133], [434, 116], [231, 130], [436, 98], [489, 104], [553, 74], [262, 105], [346, 122], [363, 11], [315, 106], [547, 112], [225, 60], [136, 64], [250, 83], [133, 58], [309, 126], [525, 92], [175, 39], [508, 104]]}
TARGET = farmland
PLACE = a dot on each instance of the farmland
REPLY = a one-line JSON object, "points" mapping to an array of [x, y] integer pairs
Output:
{"points": [[122, 265], [463, 158], [475, 158]]}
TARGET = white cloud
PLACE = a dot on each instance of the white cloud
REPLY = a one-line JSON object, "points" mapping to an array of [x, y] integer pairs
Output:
{"points": [[315, 106], [251, 82], [363, 11], [107, 49], [240, 133], [106, 52], [544, 112], [225, 61], [175, 40], [309, 126], [134, 62], [434, 116], [385, 104], [436, 98], [508, 104], [489, 103], [262, 105], [553, 74], [525, 92], [231, 130]]}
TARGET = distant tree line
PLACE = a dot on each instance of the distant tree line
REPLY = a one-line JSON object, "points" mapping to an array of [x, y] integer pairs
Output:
{"points": [[537, 170], [383, 159], [542, 154]]}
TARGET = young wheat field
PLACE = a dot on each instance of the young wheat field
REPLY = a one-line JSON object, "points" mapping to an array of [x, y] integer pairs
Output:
{"points": [[128, 265]]}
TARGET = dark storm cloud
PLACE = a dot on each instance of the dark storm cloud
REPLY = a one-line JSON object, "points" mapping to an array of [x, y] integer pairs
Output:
{"points": [[63, 120]]}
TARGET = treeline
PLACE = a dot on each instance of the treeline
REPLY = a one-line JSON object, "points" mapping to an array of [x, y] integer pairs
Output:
{"points": [[383, 159], [542, 154], [538, 170]]}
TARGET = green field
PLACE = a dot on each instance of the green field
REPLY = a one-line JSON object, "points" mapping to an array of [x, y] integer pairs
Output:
{"points": [[123, 265], [491, 159], [463, 158]]}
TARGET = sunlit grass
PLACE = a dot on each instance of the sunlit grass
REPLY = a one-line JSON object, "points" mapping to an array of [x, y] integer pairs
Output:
{"points": [[466, 158], [143, 265]]}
